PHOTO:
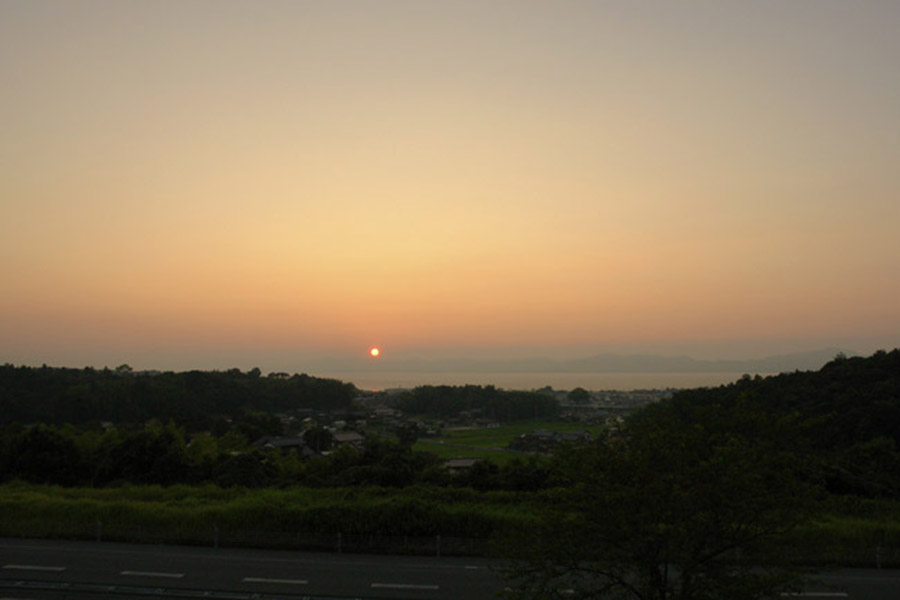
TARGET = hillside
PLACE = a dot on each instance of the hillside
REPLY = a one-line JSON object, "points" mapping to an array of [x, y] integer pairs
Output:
{"points": [[77, 396], [847, 414]]}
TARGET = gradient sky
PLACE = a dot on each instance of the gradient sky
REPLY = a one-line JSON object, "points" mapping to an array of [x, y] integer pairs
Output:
{"points": [[192, 184]]}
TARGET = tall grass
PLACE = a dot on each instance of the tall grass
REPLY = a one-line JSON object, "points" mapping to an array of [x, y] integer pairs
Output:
{"points": [[194, 514], [852, 532]]}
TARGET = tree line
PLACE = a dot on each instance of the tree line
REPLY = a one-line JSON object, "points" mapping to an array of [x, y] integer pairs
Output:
{"points": [[447, 401], [846, 415], [845, 418], [192, 398], [164, 454]]}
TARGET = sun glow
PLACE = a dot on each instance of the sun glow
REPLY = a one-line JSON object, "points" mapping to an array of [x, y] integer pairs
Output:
{"points": [[374, 351]]}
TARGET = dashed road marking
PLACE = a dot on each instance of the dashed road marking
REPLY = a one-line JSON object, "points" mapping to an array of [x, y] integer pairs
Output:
{"points": [[34, 568], [268, 580], [152, 574], [404, 586], [815, 595]]}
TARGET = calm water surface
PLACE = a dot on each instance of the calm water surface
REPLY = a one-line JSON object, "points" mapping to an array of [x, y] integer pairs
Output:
{"points": [[369, 380]]}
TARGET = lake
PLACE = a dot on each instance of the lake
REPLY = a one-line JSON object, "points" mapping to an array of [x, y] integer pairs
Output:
{"points": [[373, 380]]}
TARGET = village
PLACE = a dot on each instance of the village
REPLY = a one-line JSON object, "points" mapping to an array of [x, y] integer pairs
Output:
{"points": [[313, 433]]}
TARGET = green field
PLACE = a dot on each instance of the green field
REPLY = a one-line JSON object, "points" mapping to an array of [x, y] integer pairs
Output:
{"points": [[193, 514], [493, 442], [851, 531]]}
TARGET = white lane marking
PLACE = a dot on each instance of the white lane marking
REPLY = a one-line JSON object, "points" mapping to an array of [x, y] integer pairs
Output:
{"points": [[403, 586], [267, 580], [33, 568], [153, 574], [171, 553], [815, 595]]}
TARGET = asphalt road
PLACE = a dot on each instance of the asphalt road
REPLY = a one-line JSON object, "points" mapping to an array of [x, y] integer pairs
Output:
{"points": [[28, 566], [87, 570]]}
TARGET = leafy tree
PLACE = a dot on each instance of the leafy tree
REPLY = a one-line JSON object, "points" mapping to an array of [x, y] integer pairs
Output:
{"points": [[482, 476], [407, 434], [232, 442], [662, 512], [524, 474], [502, 405], [318, 439], [256, 424], [156, 454], [202, 454], [320, 471], [579, 396], [44, 455], [249, 470], [388, 462], [871, 468], [289, 466]]}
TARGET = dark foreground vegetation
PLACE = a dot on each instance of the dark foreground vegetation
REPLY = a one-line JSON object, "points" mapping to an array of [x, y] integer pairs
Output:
{"points": [[210, 400], [196, 400], [684, 499]]}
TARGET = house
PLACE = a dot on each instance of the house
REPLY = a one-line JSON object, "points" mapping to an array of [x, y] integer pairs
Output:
{"points": [[459, 465], [350, 438], [541, 440], [284, 444], [574, 436], [383, 412]]}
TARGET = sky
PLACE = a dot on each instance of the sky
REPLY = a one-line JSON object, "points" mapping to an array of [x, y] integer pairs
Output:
{"points": [[211, 184]]}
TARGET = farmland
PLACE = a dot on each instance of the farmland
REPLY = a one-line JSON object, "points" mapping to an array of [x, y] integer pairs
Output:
{"points": [[492, 442]]}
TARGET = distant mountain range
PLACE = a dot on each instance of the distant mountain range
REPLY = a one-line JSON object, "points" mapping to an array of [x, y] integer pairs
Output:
{"points": [[601, 363]]}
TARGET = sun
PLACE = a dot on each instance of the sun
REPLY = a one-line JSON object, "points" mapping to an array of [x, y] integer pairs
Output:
{"points": [[374, 351]]}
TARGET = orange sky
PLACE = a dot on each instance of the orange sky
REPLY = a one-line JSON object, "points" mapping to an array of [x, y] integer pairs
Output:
{"points": [[185, 184]]}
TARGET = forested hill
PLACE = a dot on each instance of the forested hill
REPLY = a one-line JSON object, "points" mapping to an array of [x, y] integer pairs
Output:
{"points": [[849, 410], [446, 401], [853, 399], [60, 395]]}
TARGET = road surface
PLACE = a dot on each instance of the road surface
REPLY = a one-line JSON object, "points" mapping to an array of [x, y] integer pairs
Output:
{"points": [[56, 570], [136, 570]]}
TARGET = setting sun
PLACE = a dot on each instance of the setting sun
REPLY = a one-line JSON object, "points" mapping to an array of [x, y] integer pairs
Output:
{"points": [[266, 213]]}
